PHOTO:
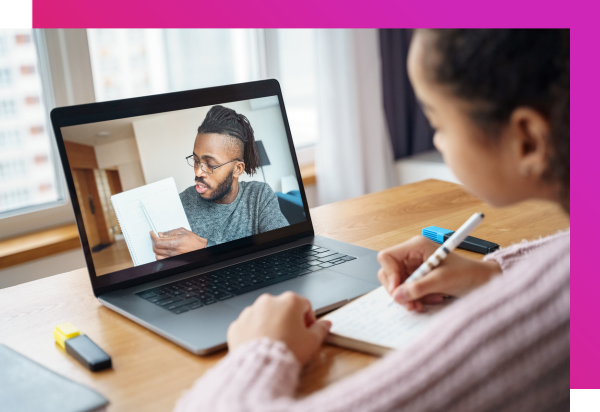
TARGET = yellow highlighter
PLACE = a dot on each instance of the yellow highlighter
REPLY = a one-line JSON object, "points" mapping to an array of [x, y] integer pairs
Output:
{"points": [[82, 348], [63, 332]]}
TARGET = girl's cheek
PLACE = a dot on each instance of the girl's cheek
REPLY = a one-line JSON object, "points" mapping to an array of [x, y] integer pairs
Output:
{"points": [[438, 142], [448, 153]]}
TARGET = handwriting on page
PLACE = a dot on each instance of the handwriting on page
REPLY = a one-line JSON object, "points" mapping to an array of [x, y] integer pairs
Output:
{"points": [[371, 319]]}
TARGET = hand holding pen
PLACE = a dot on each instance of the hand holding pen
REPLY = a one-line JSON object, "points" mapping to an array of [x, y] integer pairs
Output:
{"points": [[419, 256]]}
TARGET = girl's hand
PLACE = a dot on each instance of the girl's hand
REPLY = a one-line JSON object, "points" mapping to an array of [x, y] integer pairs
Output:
{"points": [[455, 276], [288, 318]]}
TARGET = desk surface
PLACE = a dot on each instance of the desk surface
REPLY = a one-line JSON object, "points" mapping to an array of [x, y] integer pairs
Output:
{"points": [[149, 373]]}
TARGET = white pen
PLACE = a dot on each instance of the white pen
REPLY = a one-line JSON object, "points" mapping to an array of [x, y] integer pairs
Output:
{"points": [[147, 215], [443, 251]]}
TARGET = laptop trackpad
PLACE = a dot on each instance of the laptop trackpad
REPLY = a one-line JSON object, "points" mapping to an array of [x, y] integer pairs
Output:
{"points": [[324, 289]]}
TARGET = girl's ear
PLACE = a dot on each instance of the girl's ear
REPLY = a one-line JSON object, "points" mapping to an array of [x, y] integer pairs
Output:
{"points": [[530, 132]]}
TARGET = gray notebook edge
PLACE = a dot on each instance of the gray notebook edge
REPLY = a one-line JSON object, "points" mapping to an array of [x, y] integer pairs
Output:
{"points": [[25, 385]]}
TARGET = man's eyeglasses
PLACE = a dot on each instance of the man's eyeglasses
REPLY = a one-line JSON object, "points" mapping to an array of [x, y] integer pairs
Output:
{"points": [[205, 167]]}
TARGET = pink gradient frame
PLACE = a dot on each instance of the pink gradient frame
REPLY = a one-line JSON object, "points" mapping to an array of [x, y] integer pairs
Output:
{"points": [[580, 16]]}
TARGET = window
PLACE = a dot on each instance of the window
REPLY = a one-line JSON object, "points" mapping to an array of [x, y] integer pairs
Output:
{"points": [[14, 198], [127, 63], [11, 169], [3, 46], [27, 168], [23, 38], [5, 77], [297, 75], [25, 70], [8, 109], [9, 139], [136, 62], [31, 100]]}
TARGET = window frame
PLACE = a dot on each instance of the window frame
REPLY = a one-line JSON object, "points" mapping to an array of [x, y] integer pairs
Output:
{"points": [[59, 88], [66, 71], [270, 67]]}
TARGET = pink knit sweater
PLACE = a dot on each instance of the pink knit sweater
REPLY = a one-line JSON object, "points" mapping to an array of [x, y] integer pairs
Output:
{"points": [[504, 347]]}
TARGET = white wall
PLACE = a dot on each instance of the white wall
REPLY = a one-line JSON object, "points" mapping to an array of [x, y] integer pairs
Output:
{"points": [[427, 165], [164, 140], [131, 175], [124, 156]]}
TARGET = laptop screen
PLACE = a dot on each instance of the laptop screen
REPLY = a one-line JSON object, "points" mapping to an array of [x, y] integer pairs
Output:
{"points": [[155, 187]]}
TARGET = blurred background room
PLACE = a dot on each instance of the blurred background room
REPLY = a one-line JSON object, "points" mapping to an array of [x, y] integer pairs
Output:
{"points": [[356, 125]]}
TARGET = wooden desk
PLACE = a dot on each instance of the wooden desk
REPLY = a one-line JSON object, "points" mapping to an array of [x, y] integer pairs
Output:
{"points": [[150, 372]]}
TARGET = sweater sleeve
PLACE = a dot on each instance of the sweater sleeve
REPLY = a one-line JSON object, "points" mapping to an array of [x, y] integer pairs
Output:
{"points": [[504, 347], [509, 256], [257, 373]]}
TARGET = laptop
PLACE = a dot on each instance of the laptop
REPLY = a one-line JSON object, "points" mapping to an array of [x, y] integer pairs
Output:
{"points": [[221, 164]]}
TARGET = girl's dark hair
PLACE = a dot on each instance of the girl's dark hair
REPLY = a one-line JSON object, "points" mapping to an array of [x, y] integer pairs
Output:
{"points": [[500, 70], [222, 120]]}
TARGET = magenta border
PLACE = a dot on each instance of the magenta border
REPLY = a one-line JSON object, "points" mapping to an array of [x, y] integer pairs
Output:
{"points": [[580, 16], [305, 13]]}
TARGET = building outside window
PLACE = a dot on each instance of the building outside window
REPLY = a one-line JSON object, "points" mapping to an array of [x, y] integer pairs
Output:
{"points": [[129, 63], [27, 167]]}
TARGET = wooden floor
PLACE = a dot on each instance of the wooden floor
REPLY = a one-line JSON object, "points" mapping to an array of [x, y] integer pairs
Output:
{"points": [[113, 258]]}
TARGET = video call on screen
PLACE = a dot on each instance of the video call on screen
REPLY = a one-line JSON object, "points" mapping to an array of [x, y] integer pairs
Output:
{"points": [[155, 186]]}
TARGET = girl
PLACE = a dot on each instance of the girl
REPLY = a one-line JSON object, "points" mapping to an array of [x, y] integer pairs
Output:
{"points": [[499, 101]]}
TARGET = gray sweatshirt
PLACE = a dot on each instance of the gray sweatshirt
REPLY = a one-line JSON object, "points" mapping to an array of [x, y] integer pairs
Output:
{"points": [[254, 210]]}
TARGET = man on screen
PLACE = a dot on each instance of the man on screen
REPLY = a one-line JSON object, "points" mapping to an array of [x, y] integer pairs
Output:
{"points": [[219, 207]]}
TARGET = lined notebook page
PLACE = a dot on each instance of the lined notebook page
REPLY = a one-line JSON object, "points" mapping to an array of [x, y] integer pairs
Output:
{"points": [[164, 207], [372, 320]]}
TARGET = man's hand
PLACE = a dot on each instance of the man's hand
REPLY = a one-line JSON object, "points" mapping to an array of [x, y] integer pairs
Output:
{"points": [[455, 276], [175, 242], [287, 318]]}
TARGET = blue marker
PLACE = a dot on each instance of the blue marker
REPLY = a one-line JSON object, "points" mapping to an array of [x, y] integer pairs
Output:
{"points": [[443, 251]]}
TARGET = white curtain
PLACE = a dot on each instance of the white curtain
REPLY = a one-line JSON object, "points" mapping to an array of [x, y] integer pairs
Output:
{"points": [[354, 153]]}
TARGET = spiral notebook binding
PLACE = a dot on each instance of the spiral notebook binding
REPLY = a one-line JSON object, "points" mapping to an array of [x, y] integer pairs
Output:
{"points": [[125, 235]]}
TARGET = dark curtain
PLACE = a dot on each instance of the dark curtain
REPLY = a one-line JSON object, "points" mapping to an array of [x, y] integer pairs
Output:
{"points": [[409, 130]]}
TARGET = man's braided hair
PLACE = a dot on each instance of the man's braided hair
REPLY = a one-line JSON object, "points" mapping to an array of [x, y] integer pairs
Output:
{"points": [[225, 121]]}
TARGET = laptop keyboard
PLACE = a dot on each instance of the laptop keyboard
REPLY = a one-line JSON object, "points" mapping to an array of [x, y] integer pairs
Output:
{"points": [[208, 288]]}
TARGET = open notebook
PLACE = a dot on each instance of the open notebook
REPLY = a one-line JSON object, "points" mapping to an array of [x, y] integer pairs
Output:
{"points": [[163, 212], [369, 324]]}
